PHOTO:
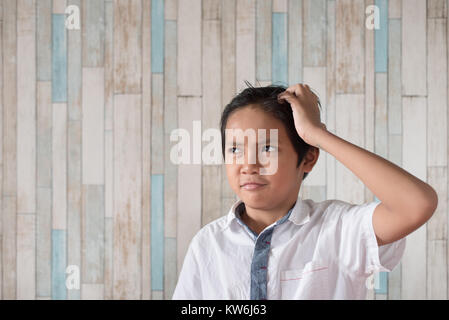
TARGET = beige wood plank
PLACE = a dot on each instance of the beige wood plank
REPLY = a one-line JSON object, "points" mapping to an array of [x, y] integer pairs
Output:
{"points": [[436, 8], [413, 282], [59, 168], [109, 66], [314, 34], [108, 258], [127, 46], [394, 9], [26, 257], [74, 212], [264, 37], [437, 270], [437, 92], [9, 252], [295, 42], [189, 47], [146, 151], [280, 5], [1, 140], [59, 6], [44, 123], [245, 43], [394, 77], [93, 126], [127, 197], [43, 39], [350, 53], [93, 31], [189, 182], [211, 9], [92, 291], [74, 69], [349, 126], [26, 106], [211, 194], [171, 9], [414, 75]]}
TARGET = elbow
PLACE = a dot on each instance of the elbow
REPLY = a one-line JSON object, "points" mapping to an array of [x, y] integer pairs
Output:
{"points": [[430, 205]]}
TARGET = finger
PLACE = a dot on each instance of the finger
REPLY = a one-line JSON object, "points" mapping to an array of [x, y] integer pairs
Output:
{"points": [[296, 89]]}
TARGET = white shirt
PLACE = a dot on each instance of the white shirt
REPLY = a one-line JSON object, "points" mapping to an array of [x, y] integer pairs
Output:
{"points": [[325, 250]]}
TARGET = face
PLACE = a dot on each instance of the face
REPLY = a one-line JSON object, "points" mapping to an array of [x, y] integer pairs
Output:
{"points": [[284, 182]]}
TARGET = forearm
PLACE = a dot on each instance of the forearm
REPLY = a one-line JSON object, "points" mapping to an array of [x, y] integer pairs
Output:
{"points": [[396, 188]]}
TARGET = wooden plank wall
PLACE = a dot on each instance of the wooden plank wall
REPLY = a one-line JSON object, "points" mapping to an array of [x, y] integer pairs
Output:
{"points": [[86, 116]]}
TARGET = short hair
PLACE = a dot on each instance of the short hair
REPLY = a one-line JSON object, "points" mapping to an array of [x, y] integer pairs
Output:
{"points": [[265, 98]]}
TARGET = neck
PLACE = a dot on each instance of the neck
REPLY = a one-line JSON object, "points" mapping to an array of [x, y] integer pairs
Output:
{"points": [[258, 219]]}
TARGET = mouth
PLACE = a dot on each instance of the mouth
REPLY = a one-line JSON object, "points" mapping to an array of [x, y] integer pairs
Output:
{"points": [[252, 186]]}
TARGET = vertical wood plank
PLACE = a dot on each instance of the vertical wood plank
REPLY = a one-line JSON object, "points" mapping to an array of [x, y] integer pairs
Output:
{"points": [[350, 48], [228, 82], [93, 29], [264, 37], [157, 36], [43, 243], [26, 257], [437, 270], [211, 111], [93, 126], [394, 9], [394, 78], [279, 67], [314, 33], [330, 95], [146, 151], [436, 8], [74, 200], [109, 65], [437, 225], [414, 69], [381, 129], [92, 238], [26, 107], [245, 43], [189, 47], [211, 9], [295, 41], [157, 123], [108, 258], [127, 197], [59, 6], [59, 168], [189, 182], [58, 264], [1, 145], [437, 92], [44, 127], [43, 36], [127, 46], [92, 291], [170, 124], [74, 69], [157, 232], [59, 59], [170, 279], [349, 126], [413, 283]]}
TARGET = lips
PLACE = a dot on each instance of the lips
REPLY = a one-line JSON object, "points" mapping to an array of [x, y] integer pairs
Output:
{"points": [[252, 183]]}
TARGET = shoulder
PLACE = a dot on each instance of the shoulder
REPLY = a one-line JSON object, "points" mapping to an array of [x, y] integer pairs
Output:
{"points": [[210, 231]]}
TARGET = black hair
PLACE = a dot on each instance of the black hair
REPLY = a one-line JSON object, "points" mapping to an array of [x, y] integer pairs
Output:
{"points": [[265, 98]]}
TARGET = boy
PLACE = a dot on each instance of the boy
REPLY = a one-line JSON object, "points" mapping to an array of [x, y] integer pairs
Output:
{"points": [[273, 245]]}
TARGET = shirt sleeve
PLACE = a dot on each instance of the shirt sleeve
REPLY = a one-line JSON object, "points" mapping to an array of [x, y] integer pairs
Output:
{"points": [[359, 251], [189, 281]]}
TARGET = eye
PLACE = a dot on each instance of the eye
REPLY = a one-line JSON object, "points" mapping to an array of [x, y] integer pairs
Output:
{"points": [[232, 149], [268, 146]]}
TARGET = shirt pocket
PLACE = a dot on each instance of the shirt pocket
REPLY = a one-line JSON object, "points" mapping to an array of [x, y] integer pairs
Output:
{"points": [[310, 282]]}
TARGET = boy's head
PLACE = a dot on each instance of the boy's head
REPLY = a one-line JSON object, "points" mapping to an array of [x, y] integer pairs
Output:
{"points": [[258, 108]]}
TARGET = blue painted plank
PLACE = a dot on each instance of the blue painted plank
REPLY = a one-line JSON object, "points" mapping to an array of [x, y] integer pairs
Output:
{"points": [[59, 59], [382, 287], [157, 36], [58, 264], [157, 232], [279, 71], [381, 38]]}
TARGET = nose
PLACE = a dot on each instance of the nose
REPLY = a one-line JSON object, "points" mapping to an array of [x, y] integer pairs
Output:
{"points": [[251, 164]]}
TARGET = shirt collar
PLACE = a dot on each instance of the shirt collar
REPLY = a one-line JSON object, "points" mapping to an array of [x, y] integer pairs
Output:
{"points": [[299, 215]]}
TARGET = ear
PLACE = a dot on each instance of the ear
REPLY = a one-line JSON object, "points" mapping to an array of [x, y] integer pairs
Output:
{"points": [[310, 159]]}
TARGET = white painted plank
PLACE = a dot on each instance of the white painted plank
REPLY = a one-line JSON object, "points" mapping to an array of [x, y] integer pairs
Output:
{"points": [[437, 92], [127, 197], [245, 43], [414, 153], [93, 126], [26, 106], [189, 182], [414, 69], [26, 257], [189, 47]]}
